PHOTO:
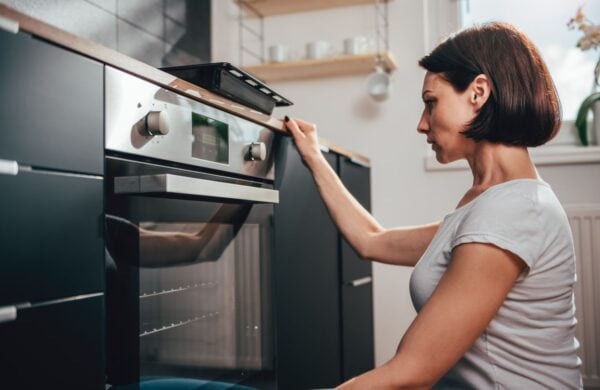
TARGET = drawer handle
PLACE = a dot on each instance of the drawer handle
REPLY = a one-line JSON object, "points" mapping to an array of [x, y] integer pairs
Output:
{"points": [[359, 162], [361, 281], [9, 167], [8, 313]]}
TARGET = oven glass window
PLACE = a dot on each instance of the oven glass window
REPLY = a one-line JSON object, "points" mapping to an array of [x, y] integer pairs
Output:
{"points": [[211, 139], [208, 313], [196, 278]]}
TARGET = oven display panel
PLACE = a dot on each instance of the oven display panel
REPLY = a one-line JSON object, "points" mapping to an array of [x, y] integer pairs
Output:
{"points": [[211, 139]]}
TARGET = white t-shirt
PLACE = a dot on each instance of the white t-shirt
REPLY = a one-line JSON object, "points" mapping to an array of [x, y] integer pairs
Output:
{"points": [[530, 343]]}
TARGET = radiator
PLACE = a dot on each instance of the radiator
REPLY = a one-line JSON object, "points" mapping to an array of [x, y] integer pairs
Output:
{"points": [[585, 224]]}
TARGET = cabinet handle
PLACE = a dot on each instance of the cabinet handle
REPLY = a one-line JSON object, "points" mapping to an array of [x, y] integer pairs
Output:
{"points": [[174, 184], [361, 281], [9, 167], [8, 313], [359, 162], [12, 26]]}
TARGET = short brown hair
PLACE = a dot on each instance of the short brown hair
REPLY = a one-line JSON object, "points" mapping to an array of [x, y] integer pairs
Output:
{"points": [[523, 108]]}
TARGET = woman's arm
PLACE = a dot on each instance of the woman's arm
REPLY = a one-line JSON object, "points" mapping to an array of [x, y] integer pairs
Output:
{"points": [[401, 246], [466, 299]]}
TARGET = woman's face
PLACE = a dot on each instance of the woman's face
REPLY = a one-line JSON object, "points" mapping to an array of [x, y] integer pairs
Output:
{"points": [[445, 115]]}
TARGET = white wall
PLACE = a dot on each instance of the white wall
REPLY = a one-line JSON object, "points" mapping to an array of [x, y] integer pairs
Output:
{"points": [[402, 191]]}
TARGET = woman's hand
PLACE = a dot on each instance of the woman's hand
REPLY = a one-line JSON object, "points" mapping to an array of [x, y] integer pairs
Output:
{"points": [[306, 139]]}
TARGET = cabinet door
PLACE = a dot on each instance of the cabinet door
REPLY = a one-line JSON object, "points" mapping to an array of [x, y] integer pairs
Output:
{"points": [[51, 106], [357, 180], [357, 330], [51, 237], [357, 288], [54, 346], [306, 279]]}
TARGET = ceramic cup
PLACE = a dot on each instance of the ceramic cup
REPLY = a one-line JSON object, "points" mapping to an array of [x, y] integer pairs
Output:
{"points": [[318, 49], [355, 45], [379, 84], [278, 53]]}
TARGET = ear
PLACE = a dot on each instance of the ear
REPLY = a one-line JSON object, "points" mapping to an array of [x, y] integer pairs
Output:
{"points": [[479, 91]]}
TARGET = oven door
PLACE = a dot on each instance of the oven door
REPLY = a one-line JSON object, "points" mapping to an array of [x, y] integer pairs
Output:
{"points": [[188, 276]]}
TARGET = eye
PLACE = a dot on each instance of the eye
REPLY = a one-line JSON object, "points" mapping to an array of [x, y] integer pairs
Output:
{"points": [[429, 105]]}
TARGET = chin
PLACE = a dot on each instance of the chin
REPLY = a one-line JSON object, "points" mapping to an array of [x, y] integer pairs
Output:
{"points": [[441, 158], [444, 159]]}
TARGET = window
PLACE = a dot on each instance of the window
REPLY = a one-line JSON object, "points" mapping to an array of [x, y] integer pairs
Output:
{"points": [[545, 23]]}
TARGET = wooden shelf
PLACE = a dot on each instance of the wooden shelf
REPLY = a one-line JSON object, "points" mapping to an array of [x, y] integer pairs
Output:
{"points": [[280, 7], [327, 67]]}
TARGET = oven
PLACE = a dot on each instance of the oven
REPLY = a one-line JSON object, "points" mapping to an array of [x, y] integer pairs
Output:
{"points": [[188, 217]]}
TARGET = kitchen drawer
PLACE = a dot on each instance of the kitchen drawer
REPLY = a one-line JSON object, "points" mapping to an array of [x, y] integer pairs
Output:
{"points": [[51, 106], [54, 346], [357, 180], [51, 239], [357, 329]]}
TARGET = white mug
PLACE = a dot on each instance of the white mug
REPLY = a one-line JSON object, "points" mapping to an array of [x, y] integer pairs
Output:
{"points": [[355, 45], [318, 49], [278, 53], [379, 84]]}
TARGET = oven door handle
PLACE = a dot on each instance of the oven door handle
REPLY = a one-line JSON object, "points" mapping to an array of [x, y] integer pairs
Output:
{"points": [[190, 186]]}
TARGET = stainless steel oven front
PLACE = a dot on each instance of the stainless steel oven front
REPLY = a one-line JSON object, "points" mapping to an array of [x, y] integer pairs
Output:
{"points": [[189, 205]]}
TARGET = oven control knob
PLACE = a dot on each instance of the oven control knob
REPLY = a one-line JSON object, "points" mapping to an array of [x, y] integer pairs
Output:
{"points": [[156, 123], [257, 151]]}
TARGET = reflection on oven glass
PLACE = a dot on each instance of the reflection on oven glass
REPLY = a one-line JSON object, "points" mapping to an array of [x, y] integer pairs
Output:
{"points": [[164, 245], [206, 314]]}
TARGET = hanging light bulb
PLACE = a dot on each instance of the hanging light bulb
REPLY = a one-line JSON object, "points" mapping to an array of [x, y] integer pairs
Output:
{"points": [[379, 83]]}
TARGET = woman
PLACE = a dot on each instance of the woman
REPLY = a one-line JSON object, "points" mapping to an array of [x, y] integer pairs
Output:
{"points": [[493, 282]]}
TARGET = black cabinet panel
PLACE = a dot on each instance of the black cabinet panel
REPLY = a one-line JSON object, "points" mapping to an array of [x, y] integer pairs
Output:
{"points": [[51, 106], [56, 346], [357, 180], [357, 301], [306, 277], [51, 236], [357, 319]]}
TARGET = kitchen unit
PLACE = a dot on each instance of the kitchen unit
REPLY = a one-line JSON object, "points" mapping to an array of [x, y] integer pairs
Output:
{"points": [[233, 311], [51, 180]]}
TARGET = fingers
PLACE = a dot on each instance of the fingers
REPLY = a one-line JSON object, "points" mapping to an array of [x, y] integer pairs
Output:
{"points": [[292, 126], [307, 127], [300, 125]]}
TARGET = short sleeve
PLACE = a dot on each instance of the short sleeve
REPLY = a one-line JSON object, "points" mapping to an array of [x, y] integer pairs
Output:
{"points": [[507, 220]]}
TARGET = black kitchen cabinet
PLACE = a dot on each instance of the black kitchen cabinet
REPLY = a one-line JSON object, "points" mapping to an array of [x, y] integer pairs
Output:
{"points": [[357, 179], [51, 106], [52, 261], [54, 346], [323, 290], [51, 242], [306, 280], [357, 287]]}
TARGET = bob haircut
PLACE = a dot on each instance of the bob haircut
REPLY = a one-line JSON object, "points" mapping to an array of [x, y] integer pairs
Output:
{"points": [[523, 108]]}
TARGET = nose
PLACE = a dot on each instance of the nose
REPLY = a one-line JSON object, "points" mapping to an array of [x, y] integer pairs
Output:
{"points": [[423, 125]]}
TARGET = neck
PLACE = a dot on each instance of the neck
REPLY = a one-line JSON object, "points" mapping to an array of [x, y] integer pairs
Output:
{"points": [[496, 163]]}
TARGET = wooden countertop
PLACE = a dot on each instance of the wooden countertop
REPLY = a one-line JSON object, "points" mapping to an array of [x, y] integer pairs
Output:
{"points": [[120, 61]]}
